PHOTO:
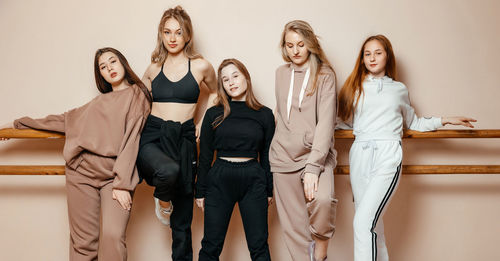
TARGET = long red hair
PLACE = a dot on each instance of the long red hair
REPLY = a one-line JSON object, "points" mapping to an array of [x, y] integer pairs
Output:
{"points": [[222, 97], [353, 86]]}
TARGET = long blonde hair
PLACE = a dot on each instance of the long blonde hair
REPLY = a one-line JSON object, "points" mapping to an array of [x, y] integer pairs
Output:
{"points": [[317, 57], [160, 53], [353, 86], [223, 98]]}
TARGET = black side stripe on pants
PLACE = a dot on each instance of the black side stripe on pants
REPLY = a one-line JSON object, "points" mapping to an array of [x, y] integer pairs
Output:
{"points": [[380, 208]]}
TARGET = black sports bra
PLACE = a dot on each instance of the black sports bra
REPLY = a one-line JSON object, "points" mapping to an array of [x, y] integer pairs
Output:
{"points": [[186, 90]]}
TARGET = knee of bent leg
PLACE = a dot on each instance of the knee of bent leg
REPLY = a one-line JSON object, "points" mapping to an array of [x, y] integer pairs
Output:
{"points": [[323, 205], [325, 200], [168, 172]]}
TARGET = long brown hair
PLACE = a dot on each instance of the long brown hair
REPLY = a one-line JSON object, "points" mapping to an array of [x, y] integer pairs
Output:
{"points": [[317, 57], [160, 53], [104, 87], [353, 86], [223, 97]]}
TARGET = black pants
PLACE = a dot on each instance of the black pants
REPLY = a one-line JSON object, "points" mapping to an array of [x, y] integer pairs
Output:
{"points": [[230, 183], [158, 167]]}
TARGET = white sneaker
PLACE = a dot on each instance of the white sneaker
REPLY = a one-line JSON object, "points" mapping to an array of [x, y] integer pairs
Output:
{"points": [[163, 214]]}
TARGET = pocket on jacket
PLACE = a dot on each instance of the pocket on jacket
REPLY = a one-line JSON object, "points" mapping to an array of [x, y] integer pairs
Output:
{"points": [[290, 145]]}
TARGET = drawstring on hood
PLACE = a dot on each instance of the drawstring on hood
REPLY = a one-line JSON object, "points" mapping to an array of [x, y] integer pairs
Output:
{"points": [[379, 81]]}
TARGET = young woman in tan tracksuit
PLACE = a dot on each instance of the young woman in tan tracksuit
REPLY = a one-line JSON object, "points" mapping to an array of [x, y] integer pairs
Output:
{"points": [[302, 156], [102, 140]]}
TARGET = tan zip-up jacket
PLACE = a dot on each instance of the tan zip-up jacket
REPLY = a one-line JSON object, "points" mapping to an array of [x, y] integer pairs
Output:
{"points": [[304, 141]]}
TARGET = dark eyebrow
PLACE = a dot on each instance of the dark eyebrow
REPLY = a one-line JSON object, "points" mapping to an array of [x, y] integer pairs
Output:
{"points": [[111, 57]]}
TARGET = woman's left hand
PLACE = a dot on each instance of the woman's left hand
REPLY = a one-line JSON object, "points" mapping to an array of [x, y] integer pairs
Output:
{"points": [[200, 202], [123, 197], [310, 185], [269, 201], [464, 121]]}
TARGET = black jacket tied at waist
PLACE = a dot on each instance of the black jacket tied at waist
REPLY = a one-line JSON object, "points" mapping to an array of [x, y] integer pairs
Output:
{"points": [[178, 141]]}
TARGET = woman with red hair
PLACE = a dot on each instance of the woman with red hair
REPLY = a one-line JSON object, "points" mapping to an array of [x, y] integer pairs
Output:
{"points": [[378, 107]]}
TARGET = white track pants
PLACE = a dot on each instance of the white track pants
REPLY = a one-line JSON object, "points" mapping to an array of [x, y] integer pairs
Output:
{"points": [[375, 168]]}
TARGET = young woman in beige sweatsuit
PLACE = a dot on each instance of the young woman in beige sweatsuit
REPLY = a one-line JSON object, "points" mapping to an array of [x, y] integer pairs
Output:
{"points": [[302, 156], [102, 140]]}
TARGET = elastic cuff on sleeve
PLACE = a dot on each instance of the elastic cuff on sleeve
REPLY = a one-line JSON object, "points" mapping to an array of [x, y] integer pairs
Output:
{"points": [[270, 192], [17, 124], [438, 122], [199, 194], [312, 169], [122, 187]]}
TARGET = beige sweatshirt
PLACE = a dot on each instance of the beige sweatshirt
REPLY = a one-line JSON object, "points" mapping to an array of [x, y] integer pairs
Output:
{"points": [[306, 139], [109, 126]]}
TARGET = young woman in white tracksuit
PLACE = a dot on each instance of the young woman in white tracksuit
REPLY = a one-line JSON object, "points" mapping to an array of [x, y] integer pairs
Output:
{"points": [[378, 106]]}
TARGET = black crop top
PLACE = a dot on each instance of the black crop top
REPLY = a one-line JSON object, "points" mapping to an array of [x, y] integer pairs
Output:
{"points": [[186, 90], [244, 133]]}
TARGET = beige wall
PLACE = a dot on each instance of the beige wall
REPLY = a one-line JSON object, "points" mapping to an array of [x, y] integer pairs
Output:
{"points": [[447, 54]]}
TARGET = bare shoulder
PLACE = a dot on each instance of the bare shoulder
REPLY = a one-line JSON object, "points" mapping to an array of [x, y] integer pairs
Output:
{"points": [[152, 70], [201, 65]]}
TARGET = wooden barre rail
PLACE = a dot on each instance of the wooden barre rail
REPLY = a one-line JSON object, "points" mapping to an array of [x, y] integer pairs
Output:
{"points": [[339, 134], [340, 170], [29, 134]]}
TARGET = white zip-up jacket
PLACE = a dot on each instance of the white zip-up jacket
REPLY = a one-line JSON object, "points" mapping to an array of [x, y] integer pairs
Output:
{"points": [[383, 109]]}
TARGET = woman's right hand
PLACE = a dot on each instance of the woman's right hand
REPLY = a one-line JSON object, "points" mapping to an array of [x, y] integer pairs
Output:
{"points": [[200, 202], [9, 125]]}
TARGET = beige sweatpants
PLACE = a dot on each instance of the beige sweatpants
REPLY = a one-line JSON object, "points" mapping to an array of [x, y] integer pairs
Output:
{"points": [[301, 219], [89, 196]]}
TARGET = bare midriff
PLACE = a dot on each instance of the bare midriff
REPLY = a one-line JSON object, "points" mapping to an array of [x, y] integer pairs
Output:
{"points": [[173, 111], [236, 159]]}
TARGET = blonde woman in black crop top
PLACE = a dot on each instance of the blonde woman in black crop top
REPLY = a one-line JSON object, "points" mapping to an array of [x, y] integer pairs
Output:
{"points": [[239, 130], [167, 155]]}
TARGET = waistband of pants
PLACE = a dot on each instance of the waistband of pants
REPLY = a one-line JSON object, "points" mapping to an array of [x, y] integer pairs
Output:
{"points": [[157, 120], [228, 163], [365, 137]]}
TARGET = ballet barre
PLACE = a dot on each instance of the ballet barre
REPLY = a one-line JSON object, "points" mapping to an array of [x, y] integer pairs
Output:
{"points": [[339, 134]]}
